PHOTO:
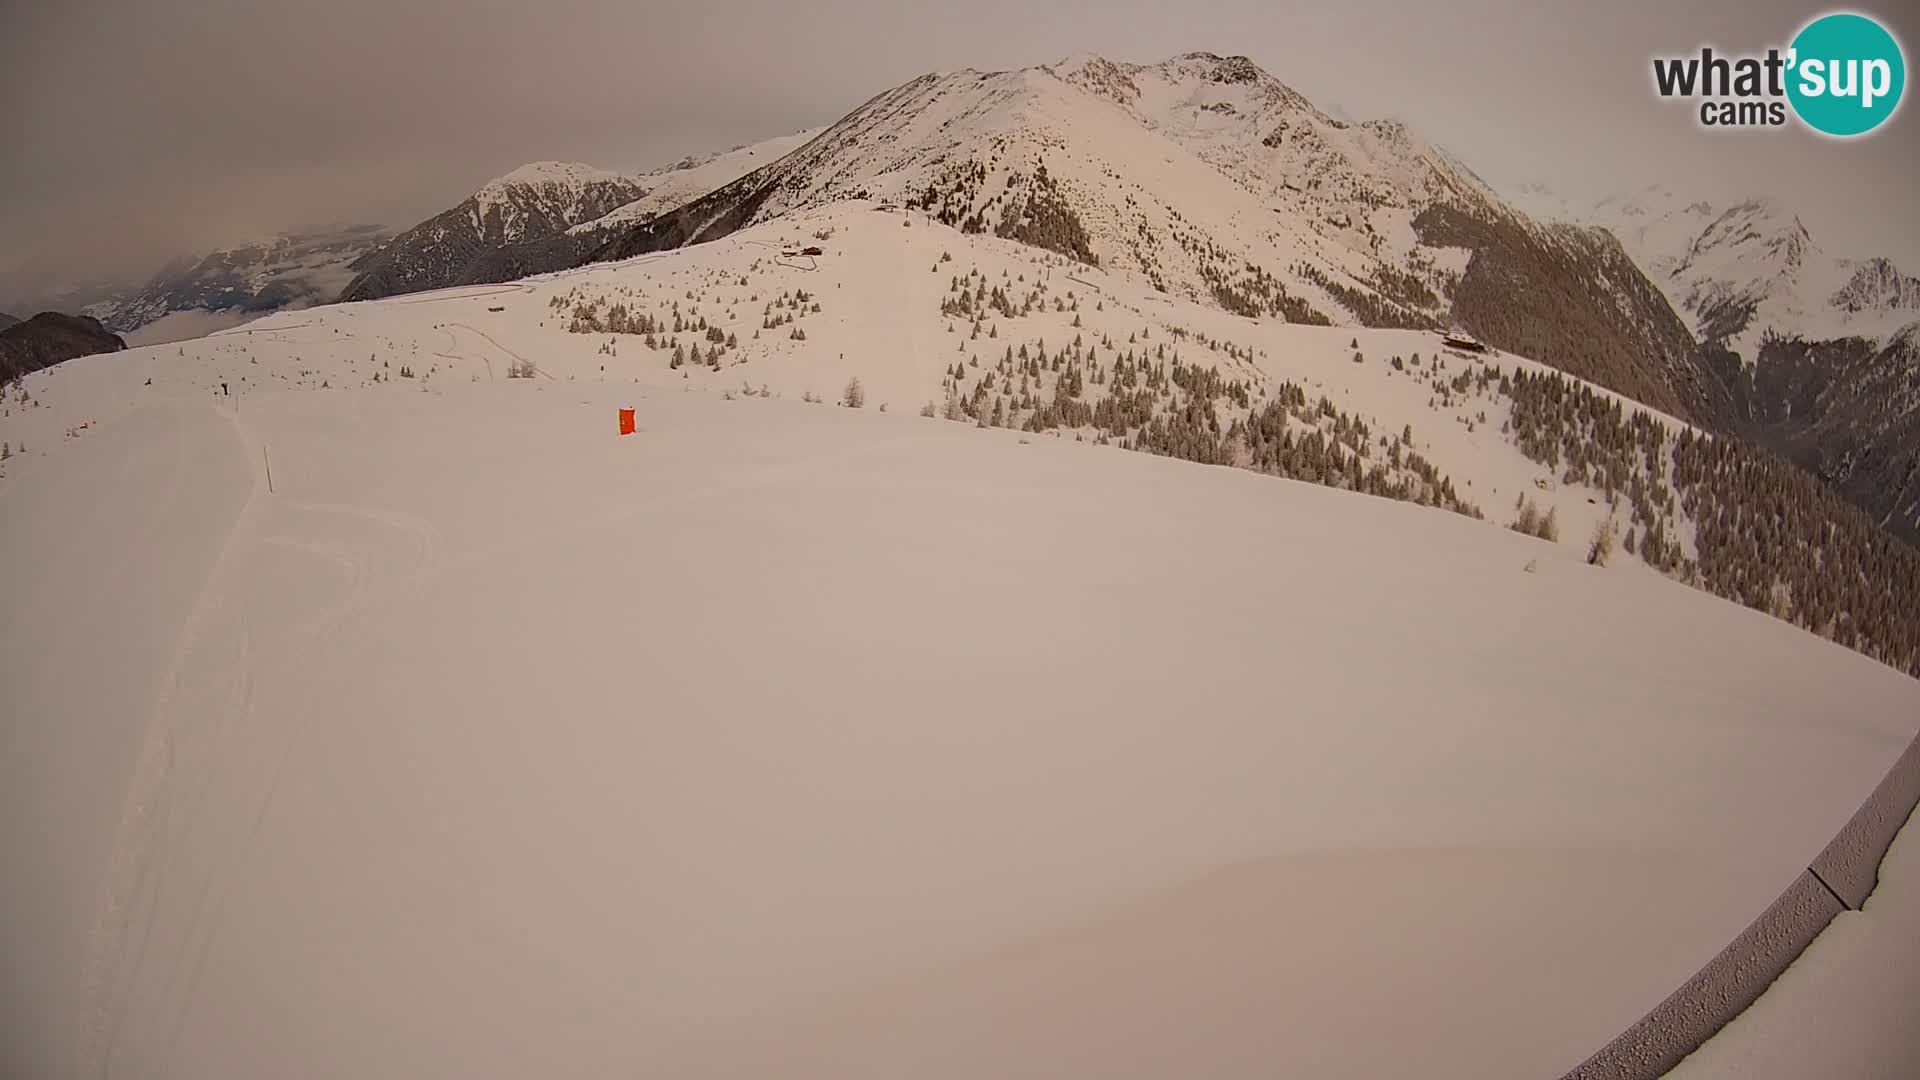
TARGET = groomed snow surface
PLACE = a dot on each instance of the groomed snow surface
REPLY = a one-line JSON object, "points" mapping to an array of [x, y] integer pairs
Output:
{"points": [[781, 738]]}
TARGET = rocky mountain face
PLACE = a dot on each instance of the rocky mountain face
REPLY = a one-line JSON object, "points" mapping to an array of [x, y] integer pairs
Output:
{"points": [[50, 338], [1573, 297], [1809, 354], [1877, 286], [664, 189], [1209, 179], [1846, 410], [300, 269], [7, 320], [1744, 271], [532, 203]]}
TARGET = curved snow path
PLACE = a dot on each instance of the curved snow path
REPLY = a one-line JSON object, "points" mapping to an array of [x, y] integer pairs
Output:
{"points": [[105, 594], [490, 340], [784, 736]]}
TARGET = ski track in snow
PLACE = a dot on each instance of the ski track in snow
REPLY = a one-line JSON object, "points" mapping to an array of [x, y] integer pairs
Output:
{"points": [[173, 805], [177, 806], [132, 859]]}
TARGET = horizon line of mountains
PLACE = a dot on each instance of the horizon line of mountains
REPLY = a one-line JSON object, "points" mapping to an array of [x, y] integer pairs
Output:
{"points": [[1211, 180]]}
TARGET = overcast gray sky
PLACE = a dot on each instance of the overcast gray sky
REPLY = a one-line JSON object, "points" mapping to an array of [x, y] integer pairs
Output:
{"points": [[136, 128]]}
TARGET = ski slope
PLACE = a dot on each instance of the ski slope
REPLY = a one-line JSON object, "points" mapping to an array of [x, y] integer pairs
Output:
{"points": [[782, 737]]}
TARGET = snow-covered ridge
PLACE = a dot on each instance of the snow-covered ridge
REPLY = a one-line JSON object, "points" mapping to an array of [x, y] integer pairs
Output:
{"points": [[530, 203], [570, 174], [1183, 171], [1878, 285], [684, 181], [562, 190], [710, 669]]}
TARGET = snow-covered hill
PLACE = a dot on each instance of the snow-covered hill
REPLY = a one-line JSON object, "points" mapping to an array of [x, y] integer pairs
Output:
{"points": [[531, 202], [783, 736]]}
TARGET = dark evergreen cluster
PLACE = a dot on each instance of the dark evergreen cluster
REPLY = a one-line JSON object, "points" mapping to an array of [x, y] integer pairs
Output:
{"points": [[618, 319], [1845, 410], [1255, 293], [1370, 308], [1589, 438], [1765, 534], [1771, 537], [1404, 287], [662, 330], [1342, 455], [972, 300], [1571, 298], [1046, 220], [1241, 287], [1143, 395], [950, 199], [1031, 209]]}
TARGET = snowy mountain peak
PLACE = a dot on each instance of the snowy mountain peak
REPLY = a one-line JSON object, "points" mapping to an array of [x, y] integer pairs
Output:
{"points": [[1758, 236], [1099, 75], [1201, 80], [1206, 178], [1742, 270], [562, 181], [1194, 171], [533, 201], [1076, 62], [571, 173], [1878, 286], [1218, 69]]}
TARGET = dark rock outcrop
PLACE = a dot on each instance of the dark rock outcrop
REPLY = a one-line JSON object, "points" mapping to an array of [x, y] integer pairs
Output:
{"points": [[50, 338], [530, 207], [1847, 411]]}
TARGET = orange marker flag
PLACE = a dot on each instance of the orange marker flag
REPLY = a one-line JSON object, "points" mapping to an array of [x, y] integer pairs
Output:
{"points": [[626, 421]]}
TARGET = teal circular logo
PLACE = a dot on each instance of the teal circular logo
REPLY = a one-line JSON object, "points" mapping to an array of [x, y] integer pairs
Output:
{"points": [[1846, 76]]}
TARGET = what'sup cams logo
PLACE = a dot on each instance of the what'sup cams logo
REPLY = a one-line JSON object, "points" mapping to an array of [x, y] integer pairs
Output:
{"points": [[1842, 75]]}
